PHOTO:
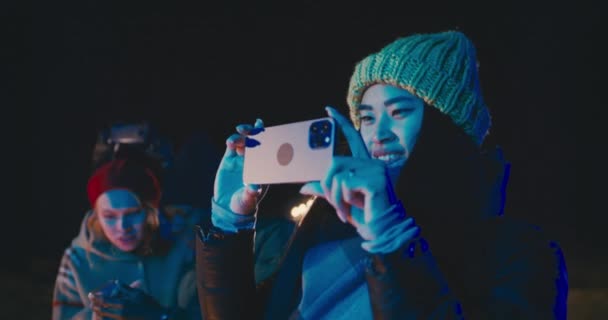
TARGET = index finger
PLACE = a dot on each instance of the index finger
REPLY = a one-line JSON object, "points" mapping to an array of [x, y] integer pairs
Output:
{"points": [[353, 138]]}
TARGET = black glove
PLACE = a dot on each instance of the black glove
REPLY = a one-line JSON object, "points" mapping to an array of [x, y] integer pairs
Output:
{"points": [[126, 303]]}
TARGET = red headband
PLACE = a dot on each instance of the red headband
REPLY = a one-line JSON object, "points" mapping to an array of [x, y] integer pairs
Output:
{"points": [[125, 174]]}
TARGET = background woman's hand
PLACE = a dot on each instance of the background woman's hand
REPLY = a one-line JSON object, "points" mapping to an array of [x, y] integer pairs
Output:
{"points": [[125, 302]]}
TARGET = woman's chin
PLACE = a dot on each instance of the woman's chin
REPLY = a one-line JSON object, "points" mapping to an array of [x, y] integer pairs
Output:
{"points": [[126, 246]]}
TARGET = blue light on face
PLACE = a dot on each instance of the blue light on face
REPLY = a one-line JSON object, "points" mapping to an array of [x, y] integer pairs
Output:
{"points": [[121, 198], [126, 219], [121, 206], [137, 217]]}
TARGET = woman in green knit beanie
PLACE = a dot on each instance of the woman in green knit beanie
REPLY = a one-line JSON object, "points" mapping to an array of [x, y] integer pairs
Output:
{"points": [[408, 225]]}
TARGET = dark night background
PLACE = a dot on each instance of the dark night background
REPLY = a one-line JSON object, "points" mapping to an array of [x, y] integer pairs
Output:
{"points": [[203, 67]]}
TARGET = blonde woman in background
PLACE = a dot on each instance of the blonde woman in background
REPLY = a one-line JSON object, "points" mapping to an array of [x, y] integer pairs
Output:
{"points": [[131, 258]]}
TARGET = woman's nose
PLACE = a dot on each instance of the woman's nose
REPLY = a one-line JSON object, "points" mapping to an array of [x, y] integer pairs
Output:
{"points": [[383, 132]]}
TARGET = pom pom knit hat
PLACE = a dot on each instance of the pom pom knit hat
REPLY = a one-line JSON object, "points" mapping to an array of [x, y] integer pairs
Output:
{"points": [[440, 68]]}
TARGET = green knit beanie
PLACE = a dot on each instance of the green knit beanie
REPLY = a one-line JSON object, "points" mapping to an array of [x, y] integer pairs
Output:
{"points": [[440, 68]]}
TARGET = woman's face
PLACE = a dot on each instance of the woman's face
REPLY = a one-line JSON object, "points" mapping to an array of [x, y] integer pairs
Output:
{"points": [[122, 218], [391, 119]]}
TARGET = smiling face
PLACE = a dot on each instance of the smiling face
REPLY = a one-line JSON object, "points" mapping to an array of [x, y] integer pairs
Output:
{"points": [[390, 121], [122, 218]]}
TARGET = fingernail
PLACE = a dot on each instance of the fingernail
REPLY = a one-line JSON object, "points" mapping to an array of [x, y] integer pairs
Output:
{"points": [[255, 131], [250, 143]]}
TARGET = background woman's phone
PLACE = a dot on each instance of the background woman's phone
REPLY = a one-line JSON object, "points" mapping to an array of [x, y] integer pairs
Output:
{"points": [[296, 152]]}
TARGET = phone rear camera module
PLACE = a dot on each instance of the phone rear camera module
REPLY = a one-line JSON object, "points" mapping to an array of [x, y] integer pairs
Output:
{"points": [[320, 134]]}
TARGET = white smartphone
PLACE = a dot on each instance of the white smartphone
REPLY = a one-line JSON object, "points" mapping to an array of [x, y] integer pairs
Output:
{"points": [[296, 152]]}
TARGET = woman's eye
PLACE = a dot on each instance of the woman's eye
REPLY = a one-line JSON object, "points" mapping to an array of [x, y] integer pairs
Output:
{"points": [[366, 118], [136, 214], [401, 112]]}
